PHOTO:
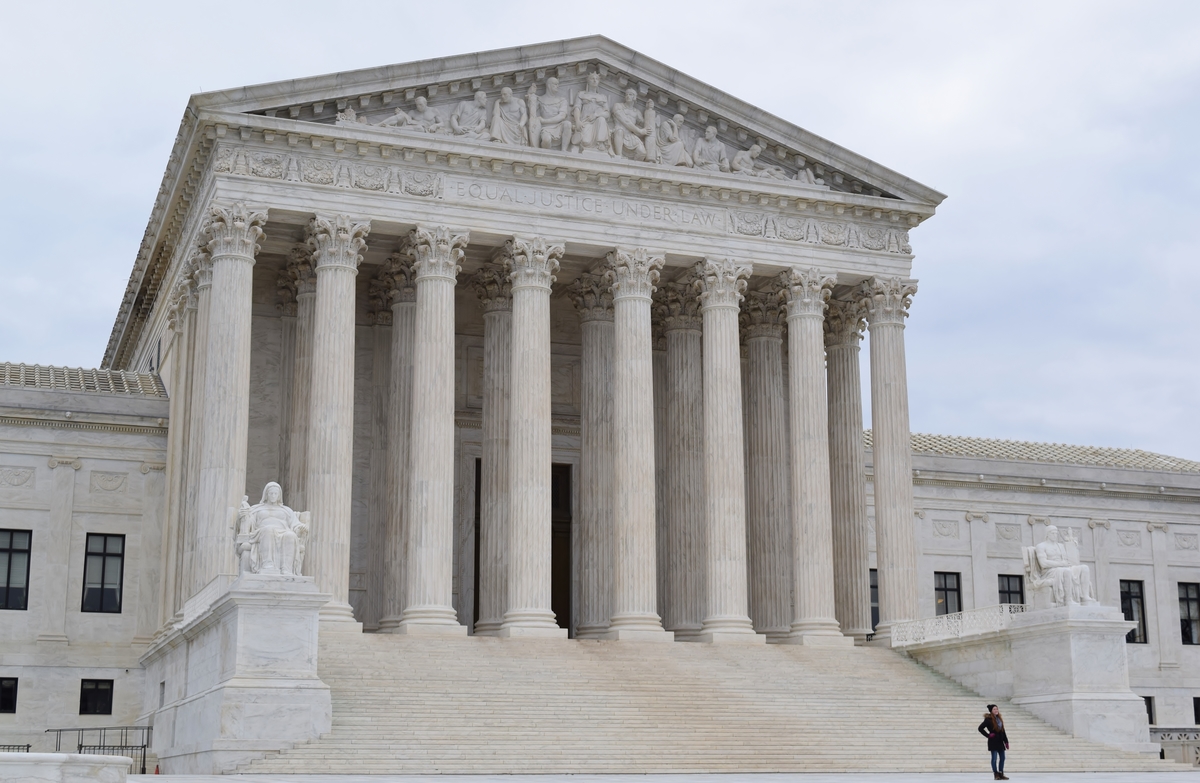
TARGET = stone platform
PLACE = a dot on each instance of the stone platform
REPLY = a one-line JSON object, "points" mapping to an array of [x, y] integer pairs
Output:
{"points": [[836, 777]]}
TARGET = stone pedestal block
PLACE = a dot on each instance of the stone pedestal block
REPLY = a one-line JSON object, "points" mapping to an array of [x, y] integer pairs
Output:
{"points": [[1070, 669], [240, 679]]}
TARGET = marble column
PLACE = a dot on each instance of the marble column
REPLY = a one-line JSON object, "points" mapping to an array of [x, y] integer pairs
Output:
{"points": [[337, 242], [659, 358], [727, 614], [593, 300], [814, 619], [382, 492], [686, 545], [57, 548], [886, 301], [300, 270], [768, 508], [532, 264], [847, 470], [1165, 597], [233, 231], [398, 272], [635, 602], [429, 582], [287, 308], [191, 576], [494, 290]]}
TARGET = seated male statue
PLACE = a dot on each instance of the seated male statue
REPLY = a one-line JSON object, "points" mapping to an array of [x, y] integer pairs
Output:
{"points": [[1054, 564], [271, 537]]}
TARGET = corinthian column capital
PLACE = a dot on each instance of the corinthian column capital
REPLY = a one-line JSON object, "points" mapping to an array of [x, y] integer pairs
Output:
{"points": [[182, 299], [398, 278], [806, 291], [763, 314], [532, 262], [436, 251], [593, 297], [336, 240], [887, 299], [379, 300], [633, 273], [844, 322], [721, 282], [300, 270], [234, 230], [493, 288], [201, 266], [679, 303]]}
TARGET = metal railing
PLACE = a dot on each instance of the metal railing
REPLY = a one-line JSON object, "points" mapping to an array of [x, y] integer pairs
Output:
{"points": [[957, 625], [15, 748], [131, 741]]}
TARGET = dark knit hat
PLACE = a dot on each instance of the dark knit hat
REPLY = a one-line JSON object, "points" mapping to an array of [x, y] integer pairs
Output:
{"points": [[990, 706]]}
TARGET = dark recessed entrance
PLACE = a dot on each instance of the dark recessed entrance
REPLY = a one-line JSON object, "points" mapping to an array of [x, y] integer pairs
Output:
{"points": [[560, 547]]}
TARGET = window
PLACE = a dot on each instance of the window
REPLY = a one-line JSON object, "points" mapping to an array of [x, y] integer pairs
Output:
{"points": [[874, 598], [1133, 604], [1196, 710], [1012, 589], [95, 697], [8, 694], [1149, 708], [946, 592], [14, 569], [1189, 612], [102, 573]]}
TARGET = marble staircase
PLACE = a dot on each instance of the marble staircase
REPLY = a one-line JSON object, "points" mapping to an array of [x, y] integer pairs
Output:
{"points": [[486, 705]]}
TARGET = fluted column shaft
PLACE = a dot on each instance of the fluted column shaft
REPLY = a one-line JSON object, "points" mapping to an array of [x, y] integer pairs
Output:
{"points": [[768, 512], [190, 576], [337, 243], [306, 302], [814, 619], [400, 395], [429, 591], [635, 600], [685, 508], [848, 482], [593, 300], [233, 233], [532, 263], [886, 302], [495, 294], [182, 322], [727, 613], [663, 558], [382, 491]]}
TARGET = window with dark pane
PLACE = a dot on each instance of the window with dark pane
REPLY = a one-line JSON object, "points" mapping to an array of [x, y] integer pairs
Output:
{"points": [[1012, 589], [874, 598], [1133, 605], [95, 697], [1149, 708], [103, 571], [1196, 710], [14, 569], [1189, 612], [947, 593], [8, 694]]}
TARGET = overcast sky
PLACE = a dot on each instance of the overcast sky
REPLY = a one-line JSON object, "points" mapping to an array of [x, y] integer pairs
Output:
{"points": [[1058, 282]]}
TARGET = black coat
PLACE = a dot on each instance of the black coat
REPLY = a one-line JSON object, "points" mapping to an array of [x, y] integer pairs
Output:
{"points": [[997, 740]]}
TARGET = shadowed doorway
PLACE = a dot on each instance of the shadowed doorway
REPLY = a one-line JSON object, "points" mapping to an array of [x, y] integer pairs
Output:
{"points": [[560, 547]]}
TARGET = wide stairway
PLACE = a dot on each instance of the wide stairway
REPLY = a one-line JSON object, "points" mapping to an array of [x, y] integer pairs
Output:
{"points": [[484, 705]]}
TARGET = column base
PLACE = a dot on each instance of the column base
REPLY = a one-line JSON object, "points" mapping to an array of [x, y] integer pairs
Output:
{"points": [[730, 637], [811, 639], [413, 628], [689, 633], [389, 624], [488, 627], [531, 632], [336, 612], [591, 632], [638, 635]]}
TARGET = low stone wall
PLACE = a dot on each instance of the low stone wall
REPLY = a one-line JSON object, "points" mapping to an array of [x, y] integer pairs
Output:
{"points": [[982, 663], [63, 768], [1182, 745]]}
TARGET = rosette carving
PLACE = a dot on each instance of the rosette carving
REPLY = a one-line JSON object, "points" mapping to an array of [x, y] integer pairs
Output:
{"points": [[436, 251], [593, 297], [887, 299], [721, 282], [844, 322], [337, 240], [806, 291], [493, 288], [234, 230], [633, 273], [532, 262]]}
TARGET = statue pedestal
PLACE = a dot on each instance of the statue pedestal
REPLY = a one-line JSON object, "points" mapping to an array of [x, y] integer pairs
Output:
{"points": [[1069, 668], [239, 679]]}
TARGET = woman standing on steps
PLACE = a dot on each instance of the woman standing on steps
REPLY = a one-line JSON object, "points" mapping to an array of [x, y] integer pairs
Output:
{"points": [[993, 728]]}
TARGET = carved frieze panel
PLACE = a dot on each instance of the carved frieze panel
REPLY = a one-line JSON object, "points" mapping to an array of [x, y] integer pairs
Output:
{"points": [[1187, 542], [1129, 538], [317, 170], [1008, 532], [12, 477], [106, 483], [947, 528]]}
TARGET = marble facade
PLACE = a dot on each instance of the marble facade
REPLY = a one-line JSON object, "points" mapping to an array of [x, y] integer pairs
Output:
{"points": [[407, 300]]}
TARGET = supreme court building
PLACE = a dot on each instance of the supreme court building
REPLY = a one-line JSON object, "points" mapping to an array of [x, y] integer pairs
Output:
{"points": [[551, 342]]}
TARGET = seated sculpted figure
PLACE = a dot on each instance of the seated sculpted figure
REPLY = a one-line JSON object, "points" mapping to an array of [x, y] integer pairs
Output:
{"points": [[710, 152], [509, 120], [271, 537], [672, 149], [627, 136], [549, 123], [1055, 564], [590, 116], [426, 119], [744, 163], [470, 118]]}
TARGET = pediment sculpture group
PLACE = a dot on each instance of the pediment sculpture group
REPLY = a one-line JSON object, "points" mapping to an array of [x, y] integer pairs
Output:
{"points": [[585, 124]]}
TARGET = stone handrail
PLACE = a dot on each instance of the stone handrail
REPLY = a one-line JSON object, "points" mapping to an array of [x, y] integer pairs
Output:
{"points": [[1182, 745], [955, 626]]}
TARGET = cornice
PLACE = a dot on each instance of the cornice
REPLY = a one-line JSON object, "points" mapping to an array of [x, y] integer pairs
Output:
{"points": [[1078, 488], [93, 426]]}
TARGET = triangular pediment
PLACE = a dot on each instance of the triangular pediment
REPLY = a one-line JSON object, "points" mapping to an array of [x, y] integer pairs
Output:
{"points": [[669, 115]]}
